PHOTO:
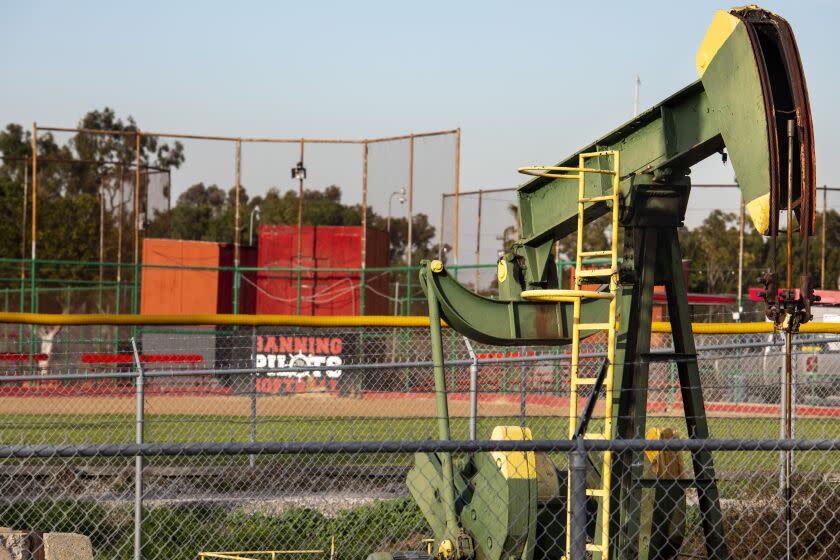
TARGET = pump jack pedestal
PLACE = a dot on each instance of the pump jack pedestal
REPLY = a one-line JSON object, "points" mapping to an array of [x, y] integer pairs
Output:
{"points": [[651, 257], [656, 260]]}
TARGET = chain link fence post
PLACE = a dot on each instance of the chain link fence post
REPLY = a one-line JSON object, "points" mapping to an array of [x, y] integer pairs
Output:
{"points": [[252, 460], [473, 387], [523, 373], [138, 459], [577, 498]]}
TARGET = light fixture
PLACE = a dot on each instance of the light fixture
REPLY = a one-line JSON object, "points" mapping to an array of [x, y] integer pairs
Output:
{"points": [[299, 171]]}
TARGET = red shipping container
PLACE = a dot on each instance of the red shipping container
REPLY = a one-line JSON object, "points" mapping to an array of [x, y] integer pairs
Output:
{"points": [[183, 291], [322, 292]]}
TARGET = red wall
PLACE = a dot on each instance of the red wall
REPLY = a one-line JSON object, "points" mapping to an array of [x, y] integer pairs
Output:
{"points": [[321, 292], [185, 291]]}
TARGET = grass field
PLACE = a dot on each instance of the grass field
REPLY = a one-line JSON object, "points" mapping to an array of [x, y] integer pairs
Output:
{"points": [[48, 428], [167, 428]]}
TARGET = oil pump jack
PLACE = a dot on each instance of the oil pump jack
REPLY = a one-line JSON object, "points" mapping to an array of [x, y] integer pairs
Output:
{"points": [[750, 105]]}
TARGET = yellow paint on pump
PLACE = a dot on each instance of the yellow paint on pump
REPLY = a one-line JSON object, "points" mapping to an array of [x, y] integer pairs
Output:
{"points": [[664, 464], [445, 550], [719, 31], [759, 211], [501, 270], [514, 464]]}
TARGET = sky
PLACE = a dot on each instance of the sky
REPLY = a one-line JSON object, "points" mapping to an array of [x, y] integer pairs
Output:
{"points": [[527, 83]]}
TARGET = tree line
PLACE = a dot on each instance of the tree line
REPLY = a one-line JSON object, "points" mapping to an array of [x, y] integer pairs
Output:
{"points": [[85, 187]]}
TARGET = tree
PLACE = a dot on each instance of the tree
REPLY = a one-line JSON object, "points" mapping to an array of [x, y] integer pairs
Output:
{"points": [[76, 182], [596, 237], [422, 234], [320, 207], [201, 213], [206, 213]]}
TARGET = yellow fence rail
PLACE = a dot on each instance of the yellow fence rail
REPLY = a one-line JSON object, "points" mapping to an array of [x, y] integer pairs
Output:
{"points": [[343, 321], [267, 554]]}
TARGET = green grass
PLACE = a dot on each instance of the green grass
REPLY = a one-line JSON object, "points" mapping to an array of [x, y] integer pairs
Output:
{"points": [[104, 429], [180, 532], [120, 428]]}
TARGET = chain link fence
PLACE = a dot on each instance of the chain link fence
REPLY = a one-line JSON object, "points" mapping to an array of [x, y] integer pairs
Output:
{"points": [[282, 438]]}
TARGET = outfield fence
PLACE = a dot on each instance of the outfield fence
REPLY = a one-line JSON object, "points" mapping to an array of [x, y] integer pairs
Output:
{"points": [[180, 439]]}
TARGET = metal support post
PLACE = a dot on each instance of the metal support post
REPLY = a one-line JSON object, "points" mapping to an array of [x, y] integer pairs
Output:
{"points": [[457, 192], [473, 388], [237, 233], [577, 500], [364, 229], [442, 406], [822, 238], [300, 230], [788, 342], [138, 459], [135, 294], [22, 291], [522, 380], [33, 298], [478, 245], [252, 460], [410, 225]]}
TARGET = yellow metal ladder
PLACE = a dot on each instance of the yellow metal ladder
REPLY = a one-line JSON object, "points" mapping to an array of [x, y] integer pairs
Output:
{"points": [[575, 296]]}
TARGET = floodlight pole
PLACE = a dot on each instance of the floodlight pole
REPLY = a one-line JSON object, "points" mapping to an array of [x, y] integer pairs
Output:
{"points": [[300, 227], [236, 227]]}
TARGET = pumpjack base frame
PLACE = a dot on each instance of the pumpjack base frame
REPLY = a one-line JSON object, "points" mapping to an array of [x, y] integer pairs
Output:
{"points": [[652, 257]]}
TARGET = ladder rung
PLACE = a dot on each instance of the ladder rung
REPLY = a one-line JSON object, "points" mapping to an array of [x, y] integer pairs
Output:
{"points": [[606, 198], [594, 272], [597, 492], [596, 254], [583, 381], [590, 547], [592, 326]]}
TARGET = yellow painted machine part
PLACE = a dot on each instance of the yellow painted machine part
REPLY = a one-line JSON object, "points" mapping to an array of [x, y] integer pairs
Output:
{"points": [[759, 211], [514, 464], [249, 554], [417, 322], [719, 31]]}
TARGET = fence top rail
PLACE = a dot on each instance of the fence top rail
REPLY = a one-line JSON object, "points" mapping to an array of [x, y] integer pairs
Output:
{"points": [[247, 139], [409, 446], [344, 321]]}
